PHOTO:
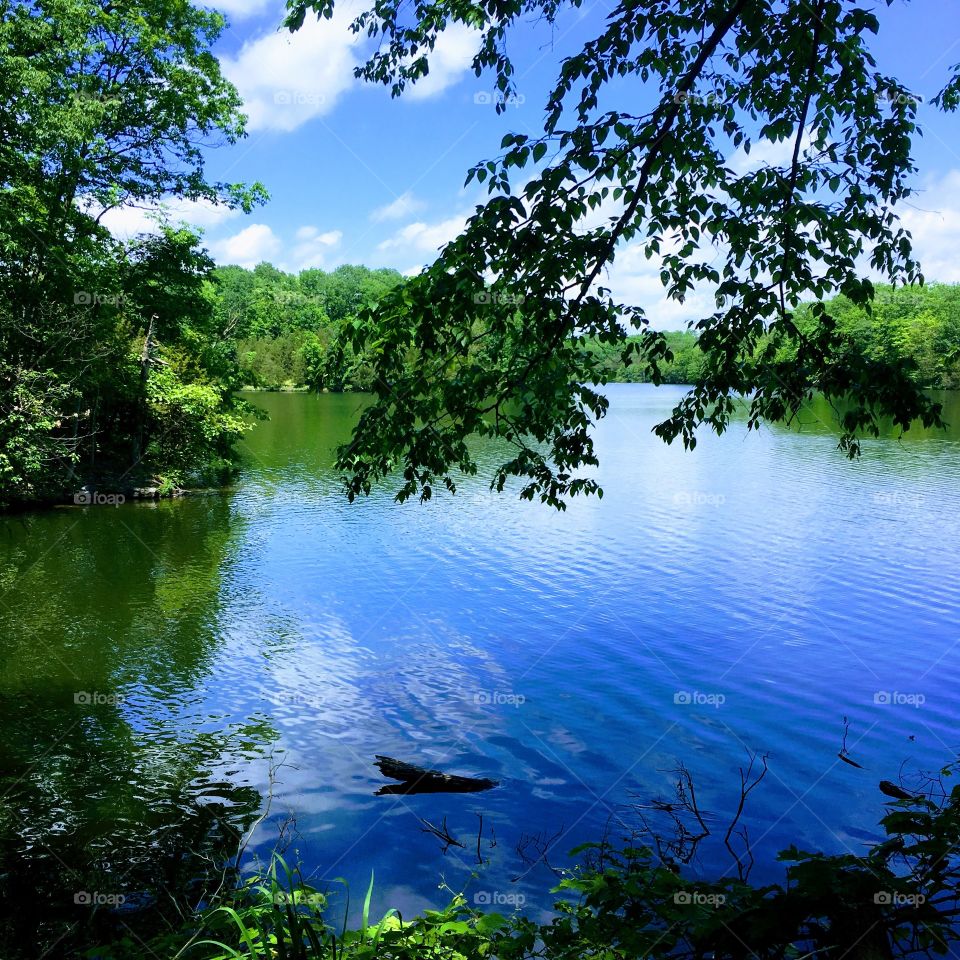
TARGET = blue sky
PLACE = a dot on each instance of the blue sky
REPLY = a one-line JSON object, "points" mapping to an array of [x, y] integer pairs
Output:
{"points": [[358, 177]]}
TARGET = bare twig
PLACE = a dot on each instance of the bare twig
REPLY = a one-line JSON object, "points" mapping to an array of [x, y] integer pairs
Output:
{"points": [[689, 825], [539, 844], [480, 859], [747, 784], [442, 833]]}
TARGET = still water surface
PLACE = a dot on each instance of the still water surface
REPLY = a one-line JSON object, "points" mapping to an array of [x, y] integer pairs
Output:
{"points": [[747, 596]]}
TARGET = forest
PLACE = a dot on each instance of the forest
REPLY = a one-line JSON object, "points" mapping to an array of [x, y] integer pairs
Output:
{"points": [[291, 330], [920, 325], [161, 404], [122, 360]]}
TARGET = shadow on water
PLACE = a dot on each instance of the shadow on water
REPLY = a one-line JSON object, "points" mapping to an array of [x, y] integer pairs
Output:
{"points": [[121, 791], [820, 418]]}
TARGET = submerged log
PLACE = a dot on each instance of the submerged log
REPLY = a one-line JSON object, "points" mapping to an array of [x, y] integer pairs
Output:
{"points": [[416, 779], [898, 793]]}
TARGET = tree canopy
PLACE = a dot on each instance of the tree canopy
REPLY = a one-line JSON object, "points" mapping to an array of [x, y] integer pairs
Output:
{"points": [[491, 338], [112, 365], [291, 329]]}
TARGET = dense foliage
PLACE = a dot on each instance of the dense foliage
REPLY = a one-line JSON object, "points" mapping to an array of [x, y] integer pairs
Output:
{"points": [[291, 329], [682, 365], [112, 368], [916, 328], [705, 82]]}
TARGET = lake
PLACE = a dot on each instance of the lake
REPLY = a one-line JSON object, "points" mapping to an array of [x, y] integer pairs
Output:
{"points": [[168, 667]]}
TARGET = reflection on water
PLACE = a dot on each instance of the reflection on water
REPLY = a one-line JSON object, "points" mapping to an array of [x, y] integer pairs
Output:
{"points": [[746, 596], [122, 781]]}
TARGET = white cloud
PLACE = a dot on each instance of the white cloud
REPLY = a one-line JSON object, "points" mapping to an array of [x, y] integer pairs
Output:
{"points": [[313, 247], [768, 153], [424, 237], [128, 221], [249, 247], [633, 279], [451, 58], [933, 217], [286, 79], [259, 242], [403, 206], [241, 9]]}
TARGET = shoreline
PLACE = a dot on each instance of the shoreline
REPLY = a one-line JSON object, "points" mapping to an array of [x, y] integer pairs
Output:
{"points": [[109, 497]]}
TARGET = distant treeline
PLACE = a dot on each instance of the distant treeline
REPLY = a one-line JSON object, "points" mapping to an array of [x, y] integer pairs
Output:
{"points": [[97, 394], [683, 368], [917, 324], [289, 329]]}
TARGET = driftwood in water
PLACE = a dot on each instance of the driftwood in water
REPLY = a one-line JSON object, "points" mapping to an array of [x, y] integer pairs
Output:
{"points": [[414, 779], [898, 793]]}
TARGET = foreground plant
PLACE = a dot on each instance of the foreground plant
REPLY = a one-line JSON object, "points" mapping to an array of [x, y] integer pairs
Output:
{"points": [[900, 898]]}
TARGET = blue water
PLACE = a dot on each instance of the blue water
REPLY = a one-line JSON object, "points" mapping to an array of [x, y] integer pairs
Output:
{"points": [[742, 598], [773, 584]]}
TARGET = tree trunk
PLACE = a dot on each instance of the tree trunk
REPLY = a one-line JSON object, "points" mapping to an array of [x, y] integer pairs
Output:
{"points": [[140, 438]]}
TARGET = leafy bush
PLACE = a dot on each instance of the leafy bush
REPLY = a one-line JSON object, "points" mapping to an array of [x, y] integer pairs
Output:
{"points": [[899, 898]]}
